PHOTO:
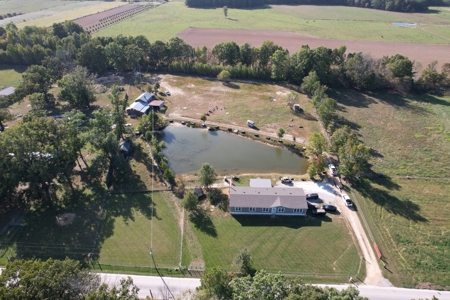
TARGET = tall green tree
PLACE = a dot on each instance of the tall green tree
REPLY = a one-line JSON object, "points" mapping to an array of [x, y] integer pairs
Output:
{"points": [[225, 11], [92, 55], [189, 202], [227, 53], [216, 282], [280, 65], [310, 83], [51, 279], [316, 144], [207, 175], [353, 157], [77, 88], [327, 112]]}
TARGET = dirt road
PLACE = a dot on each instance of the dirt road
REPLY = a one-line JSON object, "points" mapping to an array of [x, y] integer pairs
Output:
{"points": [[286, 137], [373, 270]]}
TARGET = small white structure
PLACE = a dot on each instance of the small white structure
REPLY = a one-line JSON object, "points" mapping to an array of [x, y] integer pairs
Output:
{"points": [[250, 123], [6, 92], [260, 182]]}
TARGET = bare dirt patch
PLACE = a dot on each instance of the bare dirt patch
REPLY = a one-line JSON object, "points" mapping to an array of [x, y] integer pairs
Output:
{"points": [[209, 37]]}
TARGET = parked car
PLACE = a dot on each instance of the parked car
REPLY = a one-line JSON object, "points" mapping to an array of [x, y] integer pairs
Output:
{"points": [[312, 196], [328, 207], [286, 180], [333, 169], [347, 200], [167, 93]]}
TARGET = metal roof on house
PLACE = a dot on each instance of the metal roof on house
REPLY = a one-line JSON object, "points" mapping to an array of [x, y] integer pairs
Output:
{"points": [[8, 91], [147, 97], [257, 182], [125, 146], [261, 197], [139, 105], [158, 103]]}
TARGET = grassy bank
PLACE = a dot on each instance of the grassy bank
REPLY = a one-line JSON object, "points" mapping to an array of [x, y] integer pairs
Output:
{"points": [[11, 75], [170, 19]]}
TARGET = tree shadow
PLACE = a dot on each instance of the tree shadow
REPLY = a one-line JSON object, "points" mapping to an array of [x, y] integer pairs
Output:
{"points": [[281, 221], [343, 121], [232, 85], [304, 115], [375, 153], [349, 97], [203, 222], [231, 19], [404, 208]]}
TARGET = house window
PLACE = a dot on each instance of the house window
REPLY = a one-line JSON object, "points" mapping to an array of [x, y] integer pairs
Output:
{"points": [[280, 209], [252, 209], [238, 209], [298, 210], [265, 209]]}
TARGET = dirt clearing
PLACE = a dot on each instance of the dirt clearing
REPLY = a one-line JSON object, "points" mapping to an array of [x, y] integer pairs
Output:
{"points": [[209, 37]]}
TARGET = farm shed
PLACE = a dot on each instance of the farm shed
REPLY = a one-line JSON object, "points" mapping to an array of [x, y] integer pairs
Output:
{"points": [[6, 92], [260, 182], [138, 107], [268, 201], [156, 104], [146, 97]]}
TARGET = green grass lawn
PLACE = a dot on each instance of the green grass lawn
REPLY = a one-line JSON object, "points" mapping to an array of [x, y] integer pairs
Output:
{"points": [[132, 230], [305, 246], [11, 75], [170, 19], [410, 137]]}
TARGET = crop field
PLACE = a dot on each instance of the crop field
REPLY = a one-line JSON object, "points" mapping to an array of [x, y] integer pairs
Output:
{"points": [[302, 246], [48, 17], [345, 23], [27, 6], [407, 211]]}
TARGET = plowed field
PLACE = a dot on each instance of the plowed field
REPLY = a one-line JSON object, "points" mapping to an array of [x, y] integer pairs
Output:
{"points": [[93, 19], [424, 54]]}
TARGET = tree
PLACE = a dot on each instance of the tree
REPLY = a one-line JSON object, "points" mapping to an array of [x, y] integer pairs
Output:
{"points": [[225, 11], [316, 144], [312, 169], [310, 83], [262, 286], [227, 53], [126, 291], [207, 175], [36, 79], [203, 118], [281, 132], [189, 202], [118, 115], [353, 157], [340, 137], [245, 262], [267, 49], [224, 75], [156, 87], [216, 282], [51, 279], [77, 88], [246, 54], [92, 55], [327, 112], [280, 64]]}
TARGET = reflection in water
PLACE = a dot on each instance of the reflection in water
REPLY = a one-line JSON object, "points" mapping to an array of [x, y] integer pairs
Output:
{"points": [[187, 149]]}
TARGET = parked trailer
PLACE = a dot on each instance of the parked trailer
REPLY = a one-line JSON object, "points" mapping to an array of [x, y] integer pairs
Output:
{"points": [[250, 123]]}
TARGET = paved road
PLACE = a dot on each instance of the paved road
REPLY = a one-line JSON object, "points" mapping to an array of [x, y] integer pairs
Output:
{"points": [[180, 285], [286, 137]]}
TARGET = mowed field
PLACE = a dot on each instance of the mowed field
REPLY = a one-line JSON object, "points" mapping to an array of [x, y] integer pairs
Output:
{"points": [[297, 245], [407, 211], [50, 16], [344, 23], [11, 75]]}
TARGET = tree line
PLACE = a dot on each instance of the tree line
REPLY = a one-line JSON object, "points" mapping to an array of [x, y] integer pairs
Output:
{"points": [[390, 5], [66, 45]]}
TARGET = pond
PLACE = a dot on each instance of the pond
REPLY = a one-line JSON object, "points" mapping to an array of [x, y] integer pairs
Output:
{"points": [[404, 24], [188, 148]]}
